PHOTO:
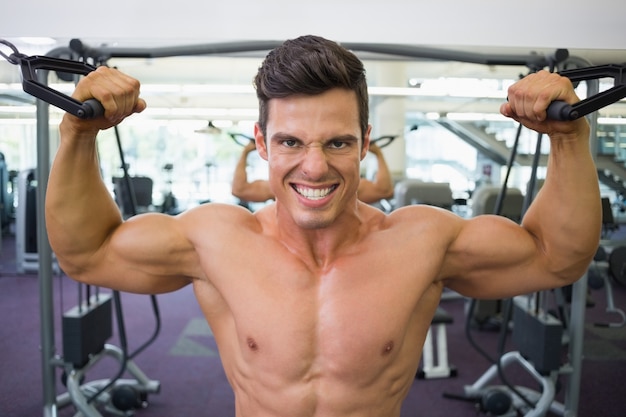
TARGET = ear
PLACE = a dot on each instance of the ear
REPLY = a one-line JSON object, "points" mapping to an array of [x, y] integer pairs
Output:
{"points": [[366, 142], [261, 143]]}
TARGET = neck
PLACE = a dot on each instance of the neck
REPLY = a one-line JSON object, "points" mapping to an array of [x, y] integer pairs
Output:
{"points": [[320, 247]]}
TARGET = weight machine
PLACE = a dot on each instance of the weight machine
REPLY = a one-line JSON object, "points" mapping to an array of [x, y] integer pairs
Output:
{"points": [[7, 188], [86, 327], [608, 266], [26, 258], [538, 334]]}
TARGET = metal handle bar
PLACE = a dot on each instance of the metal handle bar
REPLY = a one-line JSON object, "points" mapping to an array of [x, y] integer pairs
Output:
{"points": [[244, 141], [29, 65], [384, 141], [380, 141], [559, 110]]}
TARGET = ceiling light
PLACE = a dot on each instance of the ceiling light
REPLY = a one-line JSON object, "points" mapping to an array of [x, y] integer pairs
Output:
{"points": [[38, 41], [210, 128]]}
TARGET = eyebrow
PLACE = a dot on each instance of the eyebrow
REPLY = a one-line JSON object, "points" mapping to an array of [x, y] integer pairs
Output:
{"points": [[345, 138], [282, 136]]}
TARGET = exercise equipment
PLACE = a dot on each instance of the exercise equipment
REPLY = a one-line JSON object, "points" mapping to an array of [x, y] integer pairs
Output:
{"points": [[617, 265], [242, 140], [499, 400], [170, 202], [539, 339], [437, 342], [119, 396], [609, 265], [413, 191], [26, 240], [26, 256], [545, 368], [485, 200], [31, 67], [142, 195], [559, 110], [608, 221], [7, 212], [384, 141], [86, 327], [239, 138]]}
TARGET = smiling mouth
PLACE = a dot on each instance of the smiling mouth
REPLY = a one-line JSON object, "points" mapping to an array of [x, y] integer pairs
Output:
{"points": [[314, 193]]}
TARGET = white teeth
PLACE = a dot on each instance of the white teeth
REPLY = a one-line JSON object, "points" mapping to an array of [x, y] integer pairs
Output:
{"points": [[314, 193]]}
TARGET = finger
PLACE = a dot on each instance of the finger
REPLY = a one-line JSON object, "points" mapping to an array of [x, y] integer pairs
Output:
{"points": [[140, 106], [505, 109], [549, 89], [531, 96], [520, 96]]}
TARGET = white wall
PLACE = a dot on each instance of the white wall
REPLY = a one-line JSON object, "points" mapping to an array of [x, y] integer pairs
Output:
{"points": [[513, 23]]}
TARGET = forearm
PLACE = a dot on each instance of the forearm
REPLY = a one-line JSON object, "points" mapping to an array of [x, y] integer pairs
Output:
{"points": [[80, 212], [566, 214], [383, 180], [240, 177]]}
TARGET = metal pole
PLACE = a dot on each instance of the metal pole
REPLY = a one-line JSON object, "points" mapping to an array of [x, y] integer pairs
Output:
{"points": [[579, 289], [576, 331], [397, 51], [46, 304]]}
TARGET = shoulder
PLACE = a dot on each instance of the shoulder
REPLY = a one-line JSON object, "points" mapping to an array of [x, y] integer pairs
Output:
{"points": [[422, 223], [216, 217], [215, 209], [424, 216]]}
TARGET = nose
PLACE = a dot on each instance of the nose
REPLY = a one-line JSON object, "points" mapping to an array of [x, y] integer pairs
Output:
{"points": [[315, 162]]}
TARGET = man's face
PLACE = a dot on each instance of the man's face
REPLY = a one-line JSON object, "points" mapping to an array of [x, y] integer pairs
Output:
{"points": [[314, 150]]}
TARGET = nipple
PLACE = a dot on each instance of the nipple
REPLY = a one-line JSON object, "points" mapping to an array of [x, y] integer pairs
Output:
{"points": [[252, 344], [388, 347]]}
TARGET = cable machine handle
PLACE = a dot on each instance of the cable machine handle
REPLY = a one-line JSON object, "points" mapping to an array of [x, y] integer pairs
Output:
{"points": [[559, 110], [31, 84], [85, 110], [89, 109]]}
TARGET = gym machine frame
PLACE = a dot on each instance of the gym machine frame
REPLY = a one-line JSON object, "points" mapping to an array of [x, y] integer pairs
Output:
{"points": [[608, 266], [87, 326], [49, 362], [544, 401]]}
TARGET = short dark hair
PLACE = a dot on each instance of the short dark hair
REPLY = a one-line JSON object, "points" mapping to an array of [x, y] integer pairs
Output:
{"points": [[310, 65]]}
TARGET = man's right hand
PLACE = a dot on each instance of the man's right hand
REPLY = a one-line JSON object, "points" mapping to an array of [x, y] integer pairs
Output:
{"points": [[250, 146]]}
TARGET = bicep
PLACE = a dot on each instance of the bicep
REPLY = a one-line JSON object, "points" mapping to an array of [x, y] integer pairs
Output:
{"points": [[149, 253], [493, 257]]}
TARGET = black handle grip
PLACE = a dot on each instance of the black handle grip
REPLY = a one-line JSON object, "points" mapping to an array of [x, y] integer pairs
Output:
{"points": [[90, 109], [383, 141], [560, 110]]}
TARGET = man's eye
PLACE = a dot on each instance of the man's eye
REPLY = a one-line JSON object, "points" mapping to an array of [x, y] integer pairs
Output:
{"points": [[290, 143], [337, 144]]}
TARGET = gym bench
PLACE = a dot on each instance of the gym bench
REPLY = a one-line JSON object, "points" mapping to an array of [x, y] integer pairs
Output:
{"points": [[442, 369]]}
